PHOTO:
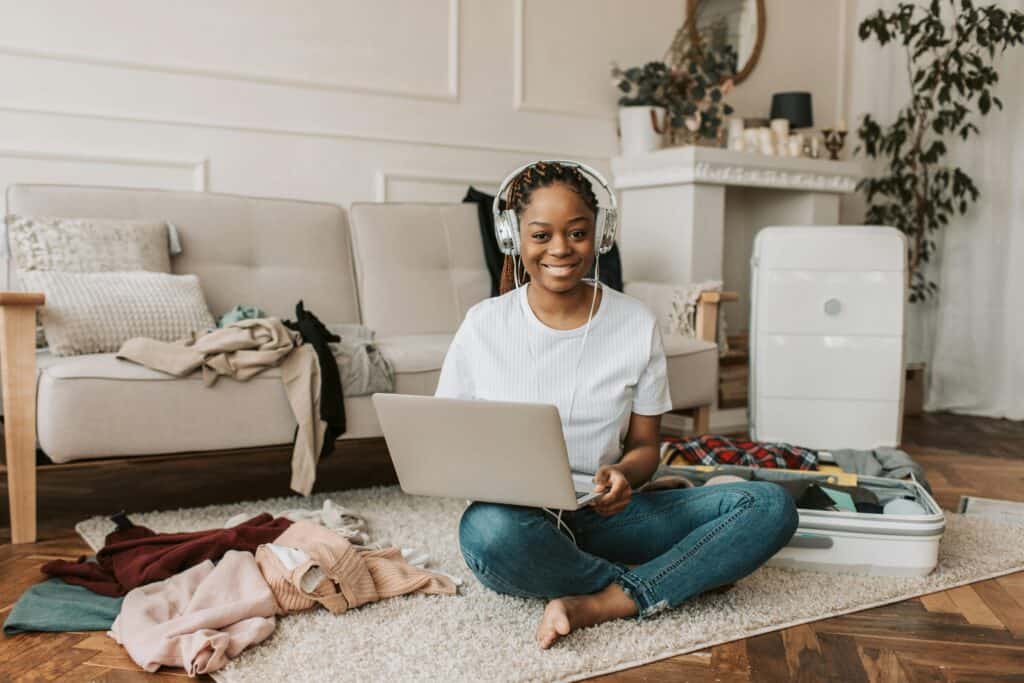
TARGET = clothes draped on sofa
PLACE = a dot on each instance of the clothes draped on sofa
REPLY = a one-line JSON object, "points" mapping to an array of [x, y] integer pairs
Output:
{"points": [[242, 350], [135, 555], [722, 450], [198, 619], [611, 263], [240, 312], [332, 400], [364, 369]]}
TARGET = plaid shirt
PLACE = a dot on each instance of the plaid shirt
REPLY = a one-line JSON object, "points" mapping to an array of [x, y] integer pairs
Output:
{"points": [[721, 450]]}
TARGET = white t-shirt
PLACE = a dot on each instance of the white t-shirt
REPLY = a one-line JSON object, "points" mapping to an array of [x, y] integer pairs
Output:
{"points": [[503, 352]]}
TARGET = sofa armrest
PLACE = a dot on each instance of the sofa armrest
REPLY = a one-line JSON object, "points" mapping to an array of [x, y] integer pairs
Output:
{"points": [[707, 313], [18, 374]]}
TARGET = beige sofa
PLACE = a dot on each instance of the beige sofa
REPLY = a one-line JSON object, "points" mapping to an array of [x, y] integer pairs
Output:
{"points": [[408, 271]]}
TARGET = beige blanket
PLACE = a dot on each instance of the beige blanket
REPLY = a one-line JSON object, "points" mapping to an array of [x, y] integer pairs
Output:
{"points": [[241, 351]]}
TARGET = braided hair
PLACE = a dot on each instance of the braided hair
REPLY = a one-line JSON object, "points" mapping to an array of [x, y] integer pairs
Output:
{"points": [[520, 190]]}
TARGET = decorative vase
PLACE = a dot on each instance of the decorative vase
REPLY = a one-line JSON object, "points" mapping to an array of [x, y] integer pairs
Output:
{"points": [[641, 129]]}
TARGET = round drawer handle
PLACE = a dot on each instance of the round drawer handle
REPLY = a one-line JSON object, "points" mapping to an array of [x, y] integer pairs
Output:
{"points": [[833, 306]]}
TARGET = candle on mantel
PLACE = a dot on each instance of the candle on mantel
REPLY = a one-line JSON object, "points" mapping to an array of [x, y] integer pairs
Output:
{"points": [[841, 126]]}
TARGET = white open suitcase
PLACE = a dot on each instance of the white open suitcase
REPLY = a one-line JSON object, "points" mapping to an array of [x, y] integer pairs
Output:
{"points": [[826, 353]]}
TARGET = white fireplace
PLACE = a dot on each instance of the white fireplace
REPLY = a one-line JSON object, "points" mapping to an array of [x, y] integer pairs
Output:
{"points": [[690, 214]]}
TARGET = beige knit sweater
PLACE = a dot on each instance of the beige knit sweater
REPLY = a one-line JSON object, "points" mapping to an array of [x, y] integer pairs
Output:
{"points": [[329, 570]]}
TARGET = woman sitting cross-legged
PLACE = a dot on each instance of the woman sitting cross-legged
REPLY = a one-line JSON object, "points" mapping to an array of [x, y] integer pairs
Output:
{"points": [[596, 354]]}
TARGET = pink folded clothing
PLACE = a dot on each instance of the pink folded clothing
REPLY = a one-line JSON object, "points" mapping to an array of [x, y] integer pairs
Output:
{"points": [[309, 564], [198, 619]]}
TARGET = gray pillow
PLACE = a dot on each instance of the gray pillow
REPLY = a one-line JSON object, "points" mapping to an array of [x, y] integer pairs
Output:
{"points": [[88, 245], [97, 312]]}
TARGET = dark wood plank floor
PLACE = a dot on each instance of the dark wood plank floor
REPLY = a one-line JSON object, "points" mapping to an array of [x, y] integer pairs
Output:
{"points": [[970, 634]]}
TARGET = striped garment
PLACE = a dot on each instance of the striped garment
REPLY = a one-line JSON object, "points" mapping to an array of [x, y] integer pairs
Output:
{"points": [[309, 564]]}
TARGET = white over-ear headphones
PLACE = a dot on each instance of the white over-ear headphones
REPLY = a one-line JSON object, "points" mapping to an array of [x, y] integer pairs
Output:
{"points": [[506, 223]]}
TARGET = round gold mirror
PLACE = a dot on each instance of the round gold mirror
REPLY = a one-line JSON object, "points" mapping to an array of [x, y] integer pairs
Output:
{"points": [[735, 23]]}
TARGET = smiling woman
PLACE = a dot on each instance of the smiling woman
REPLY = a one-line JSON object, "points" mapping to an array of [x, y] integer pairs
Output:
{"points": [[557, 337]]}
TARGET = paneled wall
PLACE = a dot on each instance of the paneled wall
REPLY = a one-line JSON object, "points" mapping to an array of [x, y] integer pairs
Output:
{"points": [[337, 100]]}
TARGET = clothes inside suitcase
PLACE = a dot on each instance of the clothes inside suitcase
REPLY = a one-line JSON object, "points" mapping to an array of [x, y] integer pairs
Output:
{"points": [[846, 542]]}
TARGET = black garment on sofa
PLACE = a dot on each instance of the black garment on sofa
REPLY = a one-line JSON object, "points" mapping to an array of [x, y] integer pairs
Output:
{"points": [[332, 403], [611, 264]]}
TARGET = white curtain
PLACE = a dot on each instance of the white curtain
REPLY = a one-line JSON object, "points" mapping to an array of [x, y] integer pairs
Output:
{"points": [[972, 335]]}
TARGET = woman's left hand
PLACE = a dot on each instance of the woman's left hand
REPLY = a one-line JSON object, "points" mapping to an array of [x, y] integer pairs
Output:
{"points": [[618, 491]]}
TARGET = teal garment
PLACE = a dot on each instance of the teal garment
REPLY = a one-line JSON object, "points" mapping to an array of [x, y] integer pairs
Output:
{"points": [[55, 606], [240, 312]]}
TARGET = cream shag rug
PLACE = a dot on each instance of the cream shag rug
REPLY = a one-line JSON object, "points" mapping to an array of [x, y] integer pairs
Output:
{"points": [[479, 635]]}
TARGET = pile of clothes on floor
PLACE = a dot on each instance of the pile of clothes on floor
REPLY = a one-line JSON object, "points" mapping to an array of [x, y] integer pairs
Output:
{"points": [[713, 459], [195, 600]]}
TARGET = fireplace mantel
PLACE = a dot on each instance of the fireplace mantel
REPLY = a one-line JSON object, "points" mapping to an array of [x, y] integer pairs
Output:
{"points": [[688, 211], [708, 165]]}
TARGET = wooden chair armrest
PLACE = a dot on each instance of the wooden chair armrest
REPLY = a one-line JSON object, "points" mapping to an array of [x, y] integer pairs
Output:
{"points": [[707, 313], [718, 297], [18, 376], [34, 299]]}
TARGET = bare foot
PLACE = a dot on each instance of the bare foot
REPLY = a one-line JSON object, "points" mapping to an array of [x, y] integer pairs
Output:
{"points": [[564, 615]]}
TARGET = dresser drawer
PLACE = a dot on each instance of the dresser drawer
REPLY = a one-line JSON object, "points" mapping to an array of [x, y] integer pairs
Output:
{"points": [[829, 367], [821, 424], [829, 302]]}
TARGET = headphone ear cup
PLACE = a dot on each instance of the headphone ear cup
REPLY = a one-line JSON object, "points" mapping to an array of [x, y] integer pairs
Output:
{"points": [[600, 226], [608, 220], [506, 230]]}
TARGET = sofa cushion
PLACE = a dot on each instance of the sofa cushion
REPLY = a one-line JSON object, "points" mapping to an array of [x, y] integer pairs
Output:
{"points": [[420, 266], [417, 359], [97, 406], [692, 368], [264, 252]]}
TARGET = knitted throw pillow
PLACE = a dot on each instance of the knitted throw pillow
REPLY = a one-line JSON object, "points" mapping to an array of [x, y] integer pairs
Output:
{"points": [[97, 312], [86, 245]]}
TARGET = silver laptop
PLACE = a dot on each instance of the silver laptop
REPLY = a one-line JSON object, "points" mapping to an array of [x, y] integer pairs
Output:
{"points": [[492, 451]]}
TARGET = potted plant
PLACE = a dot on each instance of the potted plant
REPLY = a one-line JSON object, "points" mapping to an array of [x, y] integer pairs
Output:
{"points": [[951, 74], [700, 76], [642, 111]]}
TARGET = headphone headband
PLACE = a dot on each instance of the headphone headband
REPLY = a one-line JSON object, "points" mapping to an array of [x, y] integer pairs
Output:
{"points": [[572, 164]]}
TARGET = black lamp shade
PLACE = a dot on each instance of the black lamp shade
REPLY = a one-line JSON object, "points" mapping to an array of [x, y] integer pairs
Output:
{"points": [[794, 106]]}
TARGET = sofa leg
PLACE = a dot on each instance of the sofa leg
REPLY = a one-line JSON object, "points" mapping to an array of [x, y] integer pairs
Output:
{"points": [[18, 354], [701, 420]]}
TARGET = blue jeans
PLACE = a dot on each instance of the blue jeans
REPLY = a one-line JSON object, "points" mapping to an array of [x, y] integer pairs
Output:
{"points": [[681, 541]]}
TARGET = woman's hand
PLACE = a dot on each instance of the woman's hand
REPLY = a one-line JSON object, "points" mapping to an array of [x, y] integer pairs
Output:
{"points": [[618, 492]]}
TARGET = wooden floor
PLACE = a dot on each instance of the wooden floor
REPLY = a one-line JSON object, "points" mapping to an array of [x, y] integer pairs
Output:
{"points": [[974, 633]]}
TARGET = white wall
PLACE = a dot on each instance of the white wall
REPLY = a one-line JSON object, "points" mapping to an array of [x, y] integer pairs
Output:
{"points": [[337, 100], [805, 48]]}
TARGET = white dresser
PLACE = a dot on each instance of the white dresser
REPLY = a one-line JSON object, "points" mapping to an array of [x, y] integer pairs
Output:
{"points": [[826, 336]]}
